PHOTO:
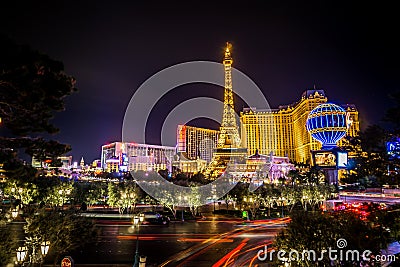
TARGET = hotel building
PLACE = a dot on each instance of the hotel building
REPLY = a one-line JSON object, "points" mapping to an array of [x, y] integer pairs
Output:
{"points": [[120, 156], [283, 132], [267, 168], [196, 143]]}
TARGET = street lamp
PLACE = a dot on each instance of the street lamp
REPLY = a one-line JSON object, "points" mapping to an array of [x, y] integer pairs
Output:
{"points": [[21, 254], [136, 221], [44, 248], [14, 213], [141, 217], [282, 200], [305, 202], [35, 257]]}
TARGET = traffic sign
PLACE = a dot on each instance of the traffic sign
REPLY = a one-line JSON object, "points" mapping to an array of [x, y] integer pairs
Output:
{"points": [[67, 262]]}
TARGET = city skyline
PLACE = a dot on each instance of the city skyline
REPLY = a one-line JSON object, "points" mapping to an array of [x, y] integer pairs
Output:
{"points": [[284, 48]]}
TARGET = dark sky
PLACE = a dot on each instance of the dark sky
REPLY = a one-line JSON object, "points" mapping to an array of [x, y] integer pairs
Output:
{"points": [[348, 48]]}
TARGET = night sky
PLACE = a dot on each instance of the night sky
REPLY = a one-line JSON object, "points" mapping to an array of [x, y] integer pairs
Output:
{"points": [[349, 49]]}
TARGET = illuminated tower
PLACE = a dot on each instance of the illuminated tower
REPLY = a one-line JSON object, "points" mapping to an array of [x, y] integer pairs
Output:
{"points": [[229, 151], [229, 133]]}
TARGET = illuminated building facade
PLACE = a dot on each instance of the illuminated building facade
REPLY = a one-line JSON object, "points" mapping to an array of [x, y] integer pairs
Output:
{"points": [[196, 143], [267, 169], [2, 173], [188, 166], [119, 156], [66, 162], [112, 165], [283, 131]]}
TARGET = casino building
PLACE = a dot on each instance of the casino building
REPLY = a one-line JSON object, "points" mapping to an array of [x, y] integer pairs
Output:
{"points": [[196, 143], [283, 132], [122, 156]]}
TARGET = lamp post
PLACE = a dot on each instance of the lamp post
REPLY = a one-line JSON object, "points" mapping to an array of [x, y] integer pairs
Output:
{"points": [[44, 248], [21, 255], [282, 200], [14, 213], [304, 198], [35, 257], [136, 223], [141, 217]]}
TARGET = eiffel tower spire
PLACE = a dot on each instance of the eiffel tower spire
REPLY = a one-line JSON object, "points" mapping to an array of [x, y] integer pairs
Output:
{"points": [[229, 133], [228, 150]]}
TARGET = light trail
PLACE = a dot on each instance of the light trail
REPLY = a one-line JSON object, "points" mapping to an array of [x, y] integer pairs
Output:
{"points": [[276, 224], [196, 248], [230, 254], [248, 231], [204, 240]]}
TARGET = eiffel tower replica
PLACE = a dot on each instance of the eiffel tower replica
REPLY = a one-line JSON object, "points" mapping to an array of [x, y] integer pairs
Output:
{"points": [[229, 151]]}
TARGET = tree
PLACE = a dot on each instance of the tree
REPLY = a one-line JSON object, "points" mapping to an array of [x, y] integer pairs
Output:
{"points": [[387, 219], [168, 201], [369, 161], [392, 114], [7, 246], [66, 231], [290, 194], [296, 177], [122, 195], [59, 194], [194, 200], [22, 191], [239, 191], [373, 139], [269, 195], [253, 201], [319, 231], [95, 192], [315, 176], [33, 87]]}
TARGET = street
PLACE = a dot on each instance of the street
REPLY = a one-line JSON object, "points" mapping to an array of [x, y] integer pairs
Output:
{"points": [[195, 243], [362, 197]]}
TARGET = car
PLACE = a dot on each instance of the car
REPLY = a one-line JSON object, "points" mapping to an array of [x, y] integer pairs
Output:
{"points": [[6, 201], [155, 218]]}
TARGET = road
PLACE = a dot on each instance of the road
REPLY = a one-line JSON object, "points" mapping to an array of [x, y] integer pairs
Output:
{"points": [[237, 247], [201, 243], [363, 197]]}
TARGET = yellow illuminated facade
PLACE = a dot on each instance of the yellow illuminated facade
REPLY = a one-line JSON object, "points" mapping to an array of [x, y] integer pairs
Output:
{"points": [[283, 131]]}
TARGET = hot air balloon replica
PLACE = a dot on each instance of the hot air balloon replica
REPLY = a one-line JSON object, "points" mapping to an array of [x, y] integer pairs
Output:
{"points": [[328, 123]]}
